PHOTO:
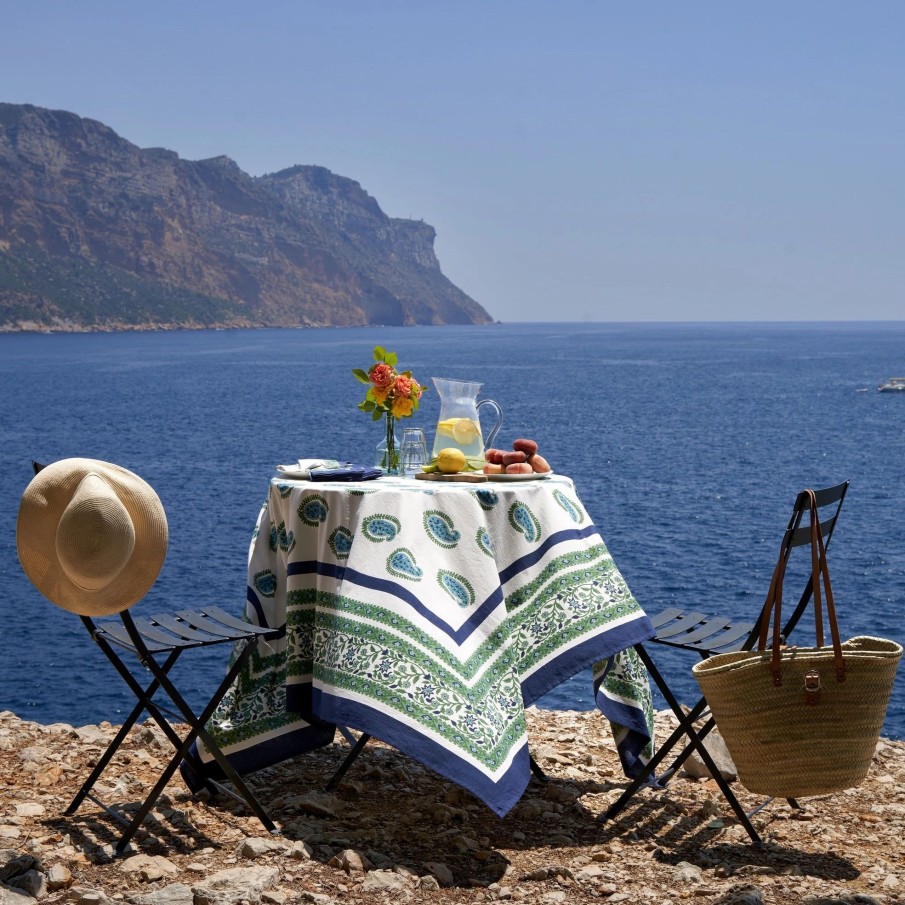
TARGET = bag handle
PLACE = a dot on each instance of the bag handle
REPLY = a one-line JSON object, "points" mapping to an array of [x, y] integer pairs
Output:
{"points": [[773, 604]]}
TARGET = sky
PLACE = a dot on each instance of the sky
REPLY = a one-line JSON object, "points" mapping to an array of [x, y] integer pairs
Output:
{"points": [[579, 160]]}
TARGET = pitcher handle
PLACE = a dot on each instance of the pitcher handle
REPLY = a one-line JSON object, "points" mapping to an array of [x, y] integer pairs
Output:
{"points": [[499, 421]]}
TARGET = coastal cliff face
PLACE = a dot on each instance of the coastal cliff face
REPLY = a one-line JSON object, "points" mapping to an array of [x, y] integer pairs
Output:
{"points": [[96, 233]]}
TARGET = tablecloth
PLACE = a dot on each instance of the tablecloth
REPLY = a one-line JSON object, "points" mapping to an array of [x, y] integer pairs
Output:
{"points": [[429, 615]]}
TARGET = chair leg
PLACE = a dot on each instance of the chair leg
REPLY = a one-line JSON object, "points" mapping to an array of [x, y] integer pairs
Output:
{"points": [[144, 696], [181, 746], [197, 730], [351, 757], [536, 770], [685, 728]]}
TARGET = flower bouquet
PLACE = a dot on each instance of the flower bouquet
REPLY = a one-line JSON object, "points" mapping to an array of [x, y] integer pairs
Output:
{"points": [[391, 394]]}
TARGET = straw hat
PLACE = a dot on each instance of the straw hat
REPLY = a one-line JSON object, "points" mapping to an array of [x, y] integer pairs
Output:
{"points": [[91, 536]]}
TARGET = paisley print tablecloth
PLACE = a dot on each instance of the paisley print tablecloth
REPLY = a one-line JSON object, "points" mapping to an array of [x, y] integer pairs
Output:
{"points": [[429, 615]]}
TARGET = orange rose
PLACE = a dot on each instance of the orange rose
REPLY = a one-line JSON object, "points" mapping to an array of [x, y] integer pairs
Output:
{"points": [[382, 376], [402, 387]]}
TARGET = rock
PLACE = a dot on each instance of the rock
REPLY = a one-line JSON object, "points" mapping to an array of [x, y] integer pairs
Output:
{"points": [[857, 898], [381, 881], [88, 896], [351, 862], [35, 754], [149, 867], [174, 894], [688, 873], [741, 894], [59, 877], [231, 886], [12, 896], [320, 804], [94, 735], [30, 810], [31, 882], [16, 865], [716, 748], [300, 851], [255, 846]]}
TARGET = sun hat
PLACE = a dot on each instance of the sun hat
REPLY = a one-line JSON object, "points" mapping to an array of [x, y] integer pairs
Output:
{"points": [[91, 536]]}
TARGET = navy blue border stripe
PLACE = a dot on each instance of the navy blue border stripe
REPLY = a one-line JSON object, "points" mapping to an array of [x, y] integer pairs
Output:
{"points": [[395, 589], [573, 660], [529, 559], [269, 752], [464, 632], [252, 599], [500, 797]]}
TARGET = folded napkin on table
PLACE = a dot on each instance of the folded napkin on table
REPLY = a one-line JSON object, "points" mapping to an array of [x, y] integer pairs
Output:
{"points": [[327, 470], [347, 472]]}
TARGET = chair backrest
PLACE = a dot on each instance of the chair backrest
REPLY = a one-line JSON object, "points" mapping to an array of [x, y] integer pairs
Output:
{"points": [[829, 502]]}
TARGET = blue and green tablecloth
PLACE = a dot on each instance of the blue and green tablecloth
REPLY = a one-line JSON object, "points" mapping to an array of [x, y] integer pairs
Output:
{"points": [[429, 615]]}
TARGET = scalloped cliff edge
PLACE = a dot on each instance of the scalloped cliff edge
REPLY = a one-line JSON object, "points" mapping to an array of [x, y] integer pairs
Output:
{"points": [[99, 234]]}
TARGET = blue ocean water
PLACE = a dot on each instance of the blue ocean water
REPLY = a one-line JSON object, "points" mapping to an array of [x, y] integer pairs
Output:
{"points": [[687, 444]]}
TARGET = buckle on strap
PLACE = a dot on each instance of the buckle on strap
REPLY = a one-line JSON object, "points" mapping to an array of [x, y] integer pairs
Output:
{"points": [[812, 687]]}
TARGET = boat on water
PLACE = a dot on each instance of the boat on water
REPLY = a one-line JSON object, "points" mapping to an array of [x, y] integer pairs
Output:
{"points": [[893, 385]]}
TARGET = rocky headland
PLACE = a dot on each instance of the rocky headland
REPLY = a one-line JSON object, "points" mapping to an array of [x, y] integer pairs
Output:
{"points": [[395, 831], [99, 234]]}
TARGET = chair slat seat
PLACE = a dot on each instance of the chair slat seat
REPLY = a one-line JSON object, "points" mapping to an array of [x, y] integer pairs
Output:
{"points": [[116, 632], [665, 616], [685, 623], [218, 622], [703, 633], [715, 634]]}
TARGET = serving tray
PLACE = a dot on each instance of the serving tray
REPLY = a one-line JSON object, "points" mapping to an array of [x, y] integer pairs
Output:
{"points": [[468, 477]]}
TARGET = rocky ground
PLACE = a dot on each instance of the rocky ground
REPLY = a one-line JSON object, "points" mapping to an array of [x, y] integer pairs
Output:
{"points": [[394, 831]]}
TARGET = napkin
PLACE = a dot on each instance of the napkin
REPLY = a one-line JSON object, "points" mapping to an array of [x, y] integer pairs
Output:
{"points": [[302, 468], [328, 470], [347, 472]]}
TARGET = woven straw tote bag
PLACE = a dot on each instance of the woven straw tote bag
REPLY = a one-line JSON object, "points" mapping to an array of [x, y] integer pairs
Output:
{"points": [[801, 721]]}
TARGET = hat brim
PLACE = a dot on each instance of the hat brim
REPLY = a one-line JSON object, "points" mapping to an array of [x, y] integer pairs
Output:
{"points": [[43, 503]]}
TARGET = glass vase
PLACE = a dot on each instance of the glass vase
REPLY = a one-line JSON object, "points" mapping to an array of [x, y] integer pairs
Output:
{"points": [[387, 452]]}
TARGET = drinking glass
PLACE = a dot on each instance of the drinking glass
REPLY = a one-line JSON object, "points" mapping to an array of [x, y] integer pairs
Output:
{"points": [[413, 453]]}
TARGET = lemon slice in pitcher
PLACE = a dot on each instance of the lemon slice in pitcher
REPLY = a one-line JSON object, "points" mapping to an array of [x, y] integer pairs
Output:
{"points": [[465, 431]]}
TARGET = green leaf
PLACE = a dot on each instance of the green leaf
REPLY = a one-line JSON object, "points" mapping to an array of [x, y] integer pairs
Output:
{"points": [[361, 375], [391, 359], [379, 353], [378, 414]]}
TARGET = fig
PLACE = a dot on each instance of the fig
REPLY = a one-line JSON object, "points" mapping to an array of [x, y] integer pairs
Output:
{"points": [[540, 464], [528, 447], [513, 458], [494, 456], [493, 468], [519, 468]]}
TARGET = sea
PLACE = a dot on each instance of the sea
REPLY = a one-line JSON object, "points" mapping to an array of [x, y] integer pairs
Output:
{"points": [[687, 443]]}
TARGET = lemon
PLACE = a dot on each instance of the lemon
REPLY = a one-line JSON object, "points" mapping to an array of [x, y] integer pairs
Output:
{"points": [[450, 460], [465, 431], [445, 427]]}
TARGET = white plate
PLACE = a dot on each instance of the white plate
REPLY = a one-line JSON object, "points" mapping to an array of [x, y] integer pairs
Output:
{"points": [[534, 476]]}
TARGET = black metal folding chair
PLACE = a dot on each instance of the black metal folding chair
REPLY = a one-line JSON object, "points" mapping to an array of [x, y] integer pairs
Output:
{"points": [[163, 638], [157, 643], [707, 635]]}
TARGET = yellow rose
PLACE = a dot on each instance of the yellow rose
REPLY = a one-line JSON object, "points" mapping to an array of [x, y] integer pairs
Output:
{"points": [[402, 407]]}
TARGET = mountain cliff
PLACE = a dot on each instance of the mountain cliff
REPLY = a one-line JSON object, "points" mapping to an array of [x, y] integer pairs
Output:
{"points": [[96, 233]]}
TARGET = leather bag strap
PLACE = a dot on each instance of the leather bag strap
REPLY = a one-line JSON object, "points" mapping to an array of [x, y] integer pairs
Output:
{"points": [[773, 605]]}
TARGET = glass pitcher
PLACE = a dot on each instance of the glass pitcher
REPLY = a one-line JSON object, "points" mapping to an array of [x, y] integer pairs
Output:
{"points": [[459, 425]]}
